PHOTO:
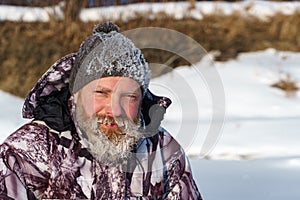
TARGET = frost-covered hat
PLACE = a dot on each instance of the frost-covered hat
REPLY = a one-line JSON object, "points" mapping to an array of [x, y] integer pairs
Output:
{"points": [[108, 53]]}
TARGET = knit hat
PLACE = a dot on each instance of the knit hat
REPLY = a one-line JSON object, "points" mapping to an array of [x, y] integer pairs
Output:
{"points": [[108, 53]]}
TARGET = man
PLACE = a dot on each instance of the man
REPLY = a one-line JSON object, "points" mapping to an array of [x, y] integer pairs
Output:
{"points": [[96, 131]]}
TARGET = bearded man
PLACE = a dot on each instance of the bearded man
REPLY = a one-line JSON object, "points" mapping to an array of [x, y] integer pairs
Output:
{"points": [[95, 132]]}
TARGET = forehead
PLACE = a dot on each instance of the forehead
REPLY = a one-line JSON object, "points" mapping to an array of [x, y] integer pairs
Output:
{"points": [[113, 83]]}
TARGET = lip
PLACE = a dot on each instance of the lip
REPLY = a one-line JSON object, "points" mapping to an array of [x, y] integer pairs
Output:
{"points": [[109, 126]]}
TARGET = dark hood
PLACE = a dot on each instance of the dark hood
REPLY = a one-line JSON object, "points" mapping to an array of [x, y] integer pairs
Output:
{"points": [[49, 100]]}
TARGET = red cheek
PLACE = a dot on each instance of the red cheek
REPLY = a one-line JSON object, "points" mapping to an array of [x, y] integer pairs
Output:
{"points": [[133, 110], [98, 107]]}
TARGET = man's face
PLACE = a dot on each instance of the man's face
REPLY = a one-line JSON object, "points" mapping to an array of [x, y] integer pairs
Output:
{"points": [[109, 99]]}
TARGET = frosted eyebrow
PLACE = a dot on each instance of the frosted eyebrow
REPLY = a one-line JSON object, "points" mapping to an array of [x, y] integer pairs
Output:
{"points": [[131, 93]]}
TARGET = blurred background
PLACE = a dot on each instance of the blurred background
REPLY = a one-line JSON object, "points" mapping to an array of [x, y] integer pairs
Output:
{"points": [[254, 46]]}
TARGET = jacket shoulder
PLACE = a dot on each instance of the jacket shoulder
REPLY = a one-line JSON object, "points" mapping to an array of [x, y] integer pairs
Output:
{"points": [[31, 142], [29, 133], [24, 159]]}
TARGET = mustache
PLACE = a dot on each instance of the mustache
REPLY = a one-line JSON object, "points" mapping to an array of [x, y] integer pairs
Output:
{"points": [[126, 128], [121, 122], [109, 120]]}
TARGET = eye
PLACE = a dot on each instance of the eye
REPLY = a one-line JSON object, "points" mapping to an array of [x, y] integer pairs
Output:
{"points": [[100, 92], [132, 97]]}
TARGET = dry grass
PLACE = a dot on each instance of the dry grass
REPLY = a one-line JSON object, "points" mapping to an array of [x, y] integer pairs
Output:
{"points": [[28, 49], [287, 84]]}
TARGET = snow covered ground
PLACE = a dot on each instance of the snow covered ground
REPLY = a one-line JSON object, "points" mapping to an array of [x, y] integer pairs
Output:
{"points": [[260, 120], [256, 155], [261, 179]]}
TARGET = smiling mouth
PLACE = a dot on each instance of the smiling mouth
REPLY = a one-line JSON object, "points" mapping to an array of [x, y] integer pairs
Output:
{"points": [[108, 123], [110, 126]]}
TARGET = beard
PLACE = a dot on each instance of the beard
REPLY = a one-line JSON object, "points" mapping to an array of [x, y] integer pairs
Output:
{"points": [[105, 144]]}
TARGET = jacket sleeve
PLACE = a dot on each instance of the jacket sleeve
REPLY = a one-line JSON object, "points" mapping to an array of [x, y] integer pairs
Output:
{"points": [[180, 182], [22, 161], [10, 185]]}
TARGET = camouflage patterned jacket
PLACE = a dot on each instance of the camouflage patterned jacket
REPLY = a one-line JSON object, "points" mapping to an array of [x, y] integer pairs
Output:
{"points": [[46, 158]]}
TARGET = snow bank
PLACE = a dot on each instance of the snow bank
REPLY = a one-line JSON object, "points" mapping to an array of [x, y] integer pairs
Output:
{"points": [[260, 121]]}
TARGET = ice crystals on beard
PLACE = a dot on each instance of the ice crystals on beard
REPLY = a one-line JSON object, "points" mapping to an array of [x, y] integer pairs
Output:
{"points": [[106, 120], [100, 121], [120, 122]]}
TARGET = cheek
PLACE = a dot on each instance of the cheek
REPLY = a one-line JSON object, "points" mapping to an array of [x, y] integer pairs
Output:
{"points": [[133, 110], [98, 105], [91, 106]]}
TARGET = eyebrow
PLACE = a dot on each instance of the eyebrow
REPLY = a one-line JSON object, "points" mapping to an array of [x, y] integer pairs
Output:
{"points": [[107, 90], [130, 93], [101, 88]]}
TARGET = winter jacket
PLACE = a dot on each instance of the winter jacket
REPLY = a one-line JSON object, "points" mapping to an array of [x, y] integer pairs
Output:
{"points": [[47, 159]]}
